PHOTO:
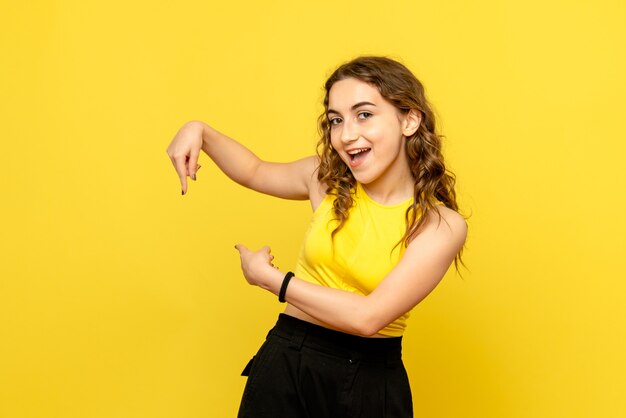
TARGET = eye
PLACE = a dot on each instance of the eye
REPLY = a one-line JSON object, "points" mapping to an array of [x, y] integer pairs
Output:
{"points": [[365, 115], [334, 121]]}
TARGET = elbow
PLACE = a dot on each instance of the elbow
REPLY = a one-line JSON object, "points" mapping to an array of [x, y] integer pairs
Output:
{"points": [[367, 319], [368, 326], [368, 331]]}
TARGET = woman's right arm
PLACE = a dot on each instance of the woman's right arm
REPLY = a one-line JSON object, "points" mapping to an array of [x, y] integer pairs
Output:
{"points": [[286, 180]]}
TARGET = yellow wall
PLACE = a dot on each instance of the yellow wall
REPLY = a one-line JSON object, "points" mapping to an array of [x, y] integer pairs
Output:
{"points": [[121, 298]]}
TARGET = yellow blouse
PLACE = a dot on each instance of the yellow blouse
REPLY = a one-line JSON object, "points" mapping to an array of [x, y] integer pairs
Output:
{"points": [[363, 252]]}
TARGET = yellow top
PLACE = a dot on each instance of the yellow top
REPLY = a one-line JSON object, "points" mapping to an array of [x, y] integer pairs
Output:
{"points": [[364, 248]]}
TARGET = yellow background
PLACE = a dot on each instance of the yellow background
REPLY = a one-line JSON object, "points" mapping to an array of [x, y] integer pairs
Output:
{"points": [[121, 298]]}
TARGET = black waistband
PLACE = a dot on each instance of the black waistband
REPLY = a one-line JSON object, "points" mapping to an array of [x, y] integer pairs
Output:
{"points": [[305, 334]]}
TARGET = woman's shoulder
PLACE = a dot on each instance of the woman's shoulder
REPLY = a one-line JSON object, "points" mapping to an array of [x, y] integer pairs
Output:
{"points": [[444, 231], [451, 220], [317, 190]]}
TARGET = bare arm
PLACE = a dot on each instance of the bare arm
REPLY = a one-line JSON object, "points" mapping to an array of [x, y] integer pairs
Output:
{"points": [[422, 267], [286, 180]]}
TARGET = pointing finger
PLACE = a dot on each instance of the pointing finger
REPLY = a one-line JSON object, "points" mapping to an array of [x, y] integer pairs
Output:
{"points": [[241, 248], [179, 164]]}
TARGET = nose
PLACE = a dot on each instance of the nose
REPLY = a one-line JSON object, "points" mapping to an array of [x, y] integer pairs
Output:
{"points": [[349, 132]]}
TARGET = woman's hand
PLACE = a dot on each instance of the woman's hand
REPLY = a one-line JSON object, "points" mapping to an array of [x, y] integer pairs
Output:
{"points": [[258, 269], [184, 151]]}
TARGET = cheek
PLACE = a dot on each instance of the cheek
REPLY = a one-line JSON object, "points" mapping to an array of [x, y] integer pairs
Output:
{"points": [[389, 133], [381, 131]]}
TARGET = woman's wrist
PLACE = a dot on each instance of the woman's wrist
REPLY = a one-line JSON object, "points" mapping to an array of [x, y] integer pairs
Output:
{"points": [[206, 133], [271, 279]]}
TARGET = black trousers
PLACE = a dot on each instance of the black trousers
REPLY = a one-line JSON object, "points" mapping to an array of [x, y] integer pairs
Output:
{"points": [[305, 370]]}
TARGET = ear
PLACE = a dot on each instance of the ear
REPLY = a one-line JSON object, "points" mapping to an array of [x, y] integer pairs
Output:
{"points": [[412, 121]]}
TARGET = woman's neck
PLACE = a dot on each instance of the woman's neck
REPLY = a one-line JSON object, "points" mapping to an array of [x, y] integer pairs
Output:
{"points": [[390, 194]]}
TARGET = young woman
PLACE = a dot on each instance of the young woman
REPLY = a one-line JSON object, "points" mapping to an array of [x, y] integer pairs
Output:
{"points": [[385, 230]]}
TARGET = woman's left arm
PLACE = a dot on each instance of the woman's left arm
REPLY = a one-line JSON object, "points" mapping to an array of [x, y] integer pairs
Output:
{"points": [[423, 265]]}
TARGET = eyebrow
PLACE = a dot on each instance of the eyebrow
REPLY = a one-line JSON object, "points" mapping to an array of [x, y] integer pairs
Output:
{"points": [[356, 106]]}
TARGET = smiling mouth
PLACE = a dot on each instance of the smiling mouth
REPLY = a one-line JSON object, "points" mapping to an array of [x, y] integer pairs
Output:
{"points": [[358, 155]]}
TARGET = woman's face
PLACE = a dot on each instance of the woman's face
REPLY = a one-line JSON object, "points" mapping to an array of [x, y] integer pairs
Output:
{"points": [[368, 133]]}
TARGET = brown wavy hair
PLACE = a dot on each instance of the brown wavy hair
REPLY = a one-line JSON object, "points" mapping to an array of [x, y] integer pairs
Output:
{"points": [[433, 181]]}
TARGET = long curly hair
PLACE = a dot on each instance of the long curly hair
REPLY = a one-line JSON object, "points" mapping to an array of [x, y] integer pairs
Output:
{"points": [[433, 181]]}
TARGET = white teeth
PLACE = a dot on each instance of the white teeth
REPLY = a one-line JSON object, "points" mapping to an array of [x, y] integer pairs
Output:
{"points": [[358, 151]]}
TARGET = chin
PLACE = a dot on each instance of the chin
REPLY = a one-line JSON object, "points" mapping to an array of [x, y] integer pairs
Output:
{"points": [[362, 178]]}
